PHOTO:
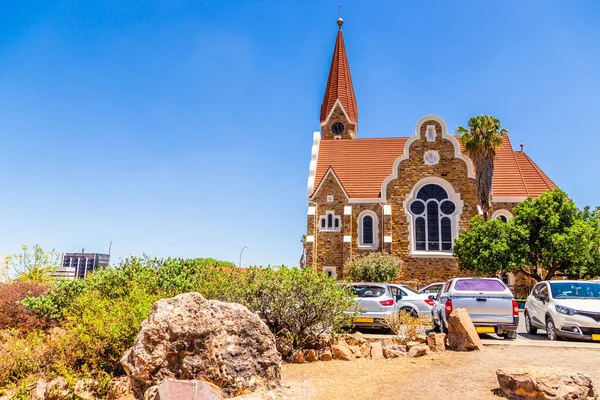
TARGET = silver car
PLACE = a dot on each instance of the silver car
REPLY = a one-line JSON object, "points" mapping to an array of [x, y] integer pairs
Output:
{"points": [[408, 300], [489, 302], [375, 303], [433, 288], [564, 309]]}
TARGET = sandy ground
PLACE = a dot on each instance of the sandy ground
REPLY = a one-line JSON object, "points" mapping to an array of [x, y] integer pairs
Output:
{"points": [[449, 376]]}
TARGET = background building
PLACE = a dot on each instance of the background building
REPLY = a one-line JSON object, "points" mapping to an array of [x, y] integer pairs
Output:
{"points": [[78, 265]]}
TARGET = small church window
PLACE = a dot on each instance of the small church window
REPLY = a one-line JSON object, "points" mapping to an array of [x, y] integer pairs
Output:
{"points": [[368, 225], [330, 222]]}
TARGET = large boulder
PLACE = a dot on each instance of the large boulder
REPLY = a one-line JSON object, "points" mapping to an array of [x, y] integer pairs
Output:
{"points": [[190, 338], [342, 351], [462, 335], [535, 383]]}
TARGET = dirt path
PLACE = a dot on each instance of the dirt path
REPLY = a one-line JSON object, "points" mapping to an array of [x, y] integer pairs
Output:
{"points": [[450, 376]]}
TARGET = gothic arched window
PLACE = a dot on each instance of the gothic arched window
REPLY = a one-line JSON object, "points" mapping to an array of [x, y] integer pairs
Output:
{"points": [[432, 212], [368, 225]]}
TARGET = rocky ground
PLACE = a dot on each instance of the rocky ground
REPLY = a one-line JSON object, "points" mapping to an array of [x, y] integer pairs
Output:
{"points": [[447, 376]]}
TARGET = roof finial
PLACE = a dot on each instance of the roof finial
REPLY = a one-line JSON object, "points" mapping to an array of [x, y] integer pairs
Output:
{"points": [[340, 21]]}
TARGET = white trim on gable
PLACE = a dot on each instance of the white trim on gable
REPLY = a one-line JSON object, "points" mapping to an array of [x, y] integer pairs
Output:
{"points": [[417, 136], [508, 199], [314, 156], [329, 171], [337, 102]]}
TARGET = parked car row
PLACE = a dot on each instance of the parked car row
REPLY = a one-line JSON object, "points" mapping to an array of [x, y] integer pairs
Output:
{"points": [[563, 309]]}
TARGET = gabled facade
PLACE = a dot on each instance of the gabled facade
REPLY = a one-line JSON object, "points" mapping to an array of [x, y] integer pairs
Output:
{"points": [[410, 196]]}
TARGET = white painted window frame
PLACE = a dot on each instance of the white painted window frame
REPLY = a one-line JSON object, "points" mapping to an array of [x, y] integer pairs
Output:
{"points": [[454, 218], [505, 213], [334, 218], [375, 244]]}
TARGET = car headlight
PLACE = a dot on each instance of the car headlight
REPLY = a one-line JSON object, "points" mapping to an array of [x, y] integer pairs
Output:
{"points": [[565, 310]]}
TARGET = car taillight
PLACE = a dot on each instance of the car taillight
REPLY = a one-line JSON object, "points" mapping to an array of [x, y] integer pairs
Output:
{"points": [[387, 303], [515, 308], [429, 302], [448, 306]]}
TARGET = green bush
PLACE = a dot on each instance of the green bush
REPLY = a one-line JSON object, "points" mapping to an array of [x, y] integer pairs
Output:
{"points": [[373, 267], [297, 305]]}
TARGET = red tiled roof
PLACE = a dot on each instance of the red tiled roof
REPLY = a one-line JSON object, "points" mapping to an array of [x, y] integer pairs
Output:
{"points": [[362, 165], [339, 83]]}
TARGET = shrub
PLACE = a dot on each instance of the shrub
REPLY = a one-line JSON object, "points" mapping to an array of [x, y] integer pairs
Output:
{"points": [[407, 327], [15, 315], [34, 265], [298, 305], [373, 267]]}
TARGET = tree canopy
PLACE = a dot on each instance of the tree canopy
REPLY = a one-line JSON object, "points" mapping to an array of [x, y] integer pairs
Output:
{"points": [[548, 236], [481, 139]]}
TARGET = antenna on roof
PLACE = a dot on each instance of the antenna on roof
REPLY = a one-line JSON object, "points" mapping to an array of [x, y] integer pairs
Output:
{"points": [[340, 21]]}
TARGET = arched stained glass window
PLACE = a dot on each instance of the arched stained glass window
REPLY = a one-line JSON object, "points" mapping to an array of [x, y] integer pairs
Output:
{"points": [[432, 212]]}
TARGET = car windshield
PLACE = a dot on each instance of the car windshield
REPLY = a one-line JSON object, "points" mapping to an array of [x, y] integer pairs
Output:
{"points": [[479, 285], [368, 291], [575, 290]]}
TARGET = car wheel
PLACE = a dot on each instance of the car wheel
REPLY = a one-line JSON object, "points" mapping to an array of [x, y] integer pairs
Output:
{"points": [[551, 330], [409, 311], [532, 330], [511, 335]]}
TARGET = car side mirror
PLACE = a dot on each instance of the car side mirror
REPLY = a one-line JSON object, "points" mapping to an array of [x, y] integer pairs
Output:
{"points": [[432, 297], [540, 297], [398, 297]]}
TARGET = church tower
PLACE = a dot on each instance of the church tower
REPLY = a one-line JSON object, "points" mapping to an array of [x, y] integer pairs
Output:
{"points": [[339, 111]]}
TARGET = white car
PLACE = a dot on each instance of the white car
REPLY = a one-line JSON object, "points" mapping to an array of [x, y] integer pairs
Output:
{"points": [[564, 309], [408, 300], [433, 288]]}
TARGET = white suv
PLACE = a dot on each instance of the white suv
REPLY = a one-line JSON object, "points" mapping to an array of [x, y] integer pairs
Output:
{"points": [[569, 309]]}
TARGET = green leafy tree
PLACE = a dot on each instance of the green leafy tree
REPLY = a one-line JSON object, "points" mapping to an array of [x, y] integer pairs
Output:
{"points": [[34, 265], [373, 267], [548, 235], [481, 139]]}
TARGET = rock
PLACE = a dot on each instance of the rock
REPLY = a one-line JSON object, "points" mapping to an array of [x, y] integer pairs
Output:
{"points": [[422, 339], [326, 356], [365, 350], [189, 337], [284, 348], [389, 352], [533, 383], [462, 335], [436, 341], [86, 389], [412, 344], [173, 389], [342, 352], [417, 351], [356, 351], [376, 351], [58, 389], [298, 357], [37, 390], [120, 389], [355, 339], [311, 355], [8, 395]]}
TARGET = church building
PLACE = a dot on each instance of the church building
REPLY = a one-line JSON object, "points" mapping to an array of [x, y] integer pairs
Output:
{"points": [[409, 195]]}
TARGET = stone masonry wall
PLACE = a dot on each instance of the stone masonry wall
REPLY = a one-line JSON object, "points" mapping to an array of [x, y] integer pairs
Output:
{"points": [[338, 115]]}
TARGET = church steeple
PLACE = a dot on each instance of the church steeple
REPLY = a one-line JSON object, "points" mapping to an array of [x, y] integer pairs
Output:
{"points": [[339, 95]]}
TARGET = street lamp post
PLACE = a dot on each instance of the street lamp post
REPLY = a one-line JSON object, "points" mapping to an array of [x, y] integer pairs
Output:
{"points": [[240, 264], [110, 247]]}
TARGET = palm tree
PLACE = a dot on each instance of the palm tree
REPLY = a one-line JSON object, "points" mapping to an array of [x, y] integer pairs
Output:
{"points": [[481, 139]]}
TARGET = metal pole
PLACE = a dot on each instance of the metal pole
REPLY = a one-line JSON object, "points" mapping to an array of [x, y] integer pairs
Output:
{"points": [[240, 264], [110, 247]]}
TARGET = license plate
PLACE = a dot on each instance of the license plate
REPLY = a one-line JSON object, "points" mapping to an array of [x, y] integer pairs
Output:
{"points": [[485, 329], [360, 319], [596, 337]]}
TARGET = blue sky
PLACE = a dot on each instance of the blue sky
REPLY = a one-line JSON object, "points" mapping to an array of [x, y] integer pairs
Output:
{"points": [[180, 128]]}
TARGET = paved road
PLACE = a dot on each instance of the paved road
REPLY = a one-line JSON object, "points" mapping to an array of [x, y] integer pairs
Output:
{"points": [[523, 339]]}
